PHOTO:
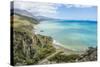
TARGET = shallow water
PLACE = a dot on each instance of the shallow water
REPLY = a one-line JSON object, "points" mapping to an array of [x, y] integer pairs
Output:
{"points": [[73, 35]]}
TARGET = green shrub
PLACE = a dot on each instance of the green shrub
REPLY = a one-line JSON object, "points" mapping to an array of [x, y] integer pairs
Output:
{"points": [[64, 58]]}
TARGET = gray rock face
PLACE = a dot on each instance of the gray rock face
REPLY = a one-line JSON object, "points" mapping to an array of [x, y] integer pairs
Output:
{"points": [[89, 55]]}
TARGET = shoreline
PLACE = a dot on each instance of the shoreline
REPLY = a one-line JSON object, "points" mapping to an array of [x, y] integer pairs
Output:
{"points": [[59, 46]]}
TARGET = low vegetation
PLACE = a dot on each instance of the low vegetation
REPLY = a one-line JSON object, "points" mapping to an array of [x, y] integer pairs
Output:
{"points": [[89, 55]]}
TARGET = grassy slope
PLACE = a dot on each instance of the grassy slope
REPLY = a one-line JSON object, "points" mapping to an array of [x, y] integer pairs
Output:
{"points": [[29, 48]]}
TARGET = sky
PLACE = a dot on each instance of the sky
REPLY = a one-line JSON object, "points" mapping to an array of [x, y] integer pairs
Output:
{"points": [[59, 11]]}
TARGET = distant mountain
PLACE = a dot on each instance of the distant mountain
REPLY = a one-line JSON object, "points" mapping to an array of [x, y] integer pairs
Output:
{"points": [[42, 18], [26, 13], [23, 12]]}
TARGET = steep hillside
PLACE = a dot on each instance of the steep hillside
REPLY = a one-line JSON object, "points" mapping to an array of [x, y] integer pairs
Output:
{"points": [[28, 47]]}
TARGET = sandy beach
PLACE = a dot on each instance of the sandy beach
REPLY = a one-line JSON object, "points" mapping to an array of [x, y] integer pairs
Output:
{"points": [[59, 46]]}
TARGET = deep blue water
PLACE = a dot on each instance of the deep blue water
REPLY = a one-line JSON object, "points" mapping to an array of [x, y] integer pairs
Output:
{"points": [[75, 35]]}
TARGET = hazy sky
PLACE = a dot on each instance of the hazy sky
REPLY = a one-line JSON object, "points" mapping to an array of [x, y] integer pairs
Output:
{"points": [[62, 11]]}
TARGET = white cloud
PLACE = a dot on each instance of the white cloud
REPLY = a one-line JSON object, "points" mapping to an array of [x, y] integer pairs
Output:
{"points": [[37, 8], [77, 6]]}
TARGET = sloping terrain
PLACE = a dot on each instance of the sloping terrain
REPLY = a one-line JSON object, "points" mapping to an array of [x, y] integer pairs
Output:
{"points": [[28, 47]]}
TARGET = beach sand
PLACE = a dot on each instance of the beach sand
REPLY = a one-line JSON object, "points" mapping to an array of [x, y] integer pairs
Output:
{"points": [[59, 46]]}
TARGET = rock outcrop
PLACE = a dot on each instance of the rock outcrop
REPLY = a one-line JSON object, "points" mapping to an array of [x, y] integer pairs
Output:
{"points": [[89, 55]]}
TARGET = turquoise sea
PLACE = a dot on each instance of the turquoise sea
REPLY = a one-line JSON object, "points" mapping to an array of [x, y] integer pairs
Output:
{"points": [[75, 35]]}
